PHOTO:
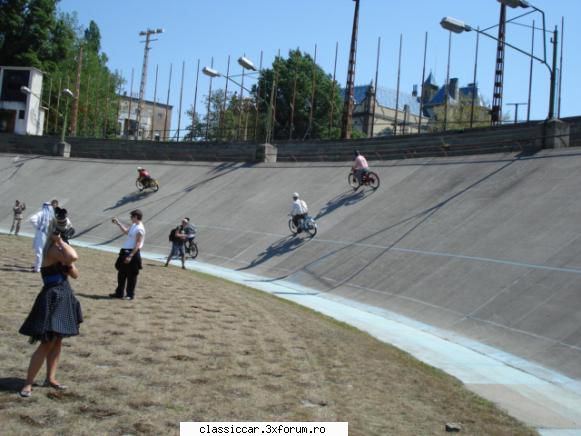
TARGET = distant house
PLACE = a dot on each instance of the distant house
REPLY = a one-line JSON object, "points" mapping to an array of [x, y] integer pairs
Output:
{"points": [[155, 119], [434, 96], [21, 111], [406, 119], [401, 114]]}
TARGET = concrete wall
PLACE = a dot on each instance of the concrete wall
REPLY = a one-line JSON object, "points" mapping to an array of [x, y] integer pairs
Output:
{"points": [[518, 138], [485, 246]]}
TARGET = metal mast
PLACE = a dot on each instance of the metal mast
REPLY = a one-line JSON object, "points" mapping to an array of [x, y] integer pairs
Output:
{"points": [[147, 33], [348, 105], [496, 113]]}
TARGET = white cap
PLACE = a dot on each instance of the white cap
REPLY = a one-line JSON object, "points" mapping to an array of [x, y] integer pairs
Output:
{"points": [[296, 195], [139, 168]]}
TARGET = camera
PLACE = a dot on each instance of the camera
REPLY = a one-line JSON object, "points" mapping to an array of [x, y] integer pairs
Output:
{"points": [[63, 225]]}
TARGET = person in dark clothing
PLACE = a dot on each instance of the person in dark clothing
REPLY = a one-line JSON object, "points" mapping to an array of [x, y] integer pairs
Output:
{"points": [[128, 263], [56, 312]]}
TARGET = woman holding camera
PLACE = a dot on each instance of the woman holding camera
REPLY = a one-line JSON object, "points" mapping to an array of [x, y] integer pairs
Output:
{"points": [[56, 313]]}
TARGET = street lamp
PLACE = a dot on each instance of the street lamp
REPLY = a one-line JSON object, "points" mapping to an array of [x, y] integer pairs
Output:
{"points": [[248, 65], [458, 26], [68, 94]]}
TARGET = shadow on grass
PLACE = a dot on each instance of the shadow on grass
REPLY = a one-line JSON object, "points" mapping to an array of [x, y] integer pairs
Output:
{"points": [[95, 296], [11, 384], [16, 268]]}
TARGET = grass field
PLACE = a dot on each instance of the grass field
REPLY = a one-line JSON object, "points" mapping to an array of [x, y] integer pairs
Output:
{"points": [[196, 348]]}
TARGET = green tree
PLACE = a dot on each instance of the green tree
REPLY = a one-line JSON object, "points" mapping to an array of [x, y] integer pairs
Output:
{"points": [[295, 79], [459, 115]]}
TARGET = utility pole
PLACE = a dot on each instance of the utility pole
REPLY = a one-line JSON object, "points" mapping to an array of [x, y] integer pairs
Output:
{"points": [[496, 113], [75, 111], [147, 33], [348, 105]]}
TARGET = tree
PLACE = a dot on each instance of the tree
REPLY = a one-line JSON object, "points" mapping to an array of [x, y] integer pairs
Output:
{"points": [[297, 80], [459, 115]]}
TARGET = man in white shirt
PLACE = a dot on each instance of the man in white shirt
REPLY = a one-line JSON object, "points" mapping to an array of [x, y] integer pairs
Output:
{"points": [[298, 211], [128, 263]]}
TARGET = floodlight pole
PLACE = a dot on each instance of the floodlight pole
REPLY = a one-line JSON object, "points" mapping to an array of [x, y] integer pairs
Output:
{"points": [[348, 104], [147, 33]]}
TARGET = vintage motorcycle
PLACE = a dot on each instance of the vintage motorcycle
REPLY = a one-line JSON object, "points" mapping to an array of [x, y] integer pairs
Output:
{"points": [[308, 225], [149, 183]]}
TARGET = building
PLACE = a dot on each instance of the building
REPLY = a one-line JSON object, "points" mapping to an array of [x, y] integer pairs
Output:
{"points": [[406, 118], [387, 121], [21, 109], [155, 123]]}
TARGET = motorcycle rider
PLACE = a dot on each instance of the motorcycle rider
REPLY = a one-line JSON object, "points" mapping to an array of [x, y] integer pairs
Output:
{"points": [[360, 165], [298, 211], [143, 176]]}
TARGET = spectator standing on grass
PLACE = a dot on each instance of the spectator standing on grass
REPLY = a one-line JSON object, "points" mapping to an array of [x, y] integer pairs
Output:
{"points": [[178, 238], [56, 312], [128, 263], [17, 209], [41, 221]]}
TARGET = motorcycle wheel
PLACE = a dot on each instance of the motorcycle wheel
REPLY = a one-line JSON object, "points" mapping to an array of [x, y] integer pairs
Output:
{"points": [[139, 185], [192, 249], [373, 180], [352, 180], [154, 185], [311, 228], [292, 227]]}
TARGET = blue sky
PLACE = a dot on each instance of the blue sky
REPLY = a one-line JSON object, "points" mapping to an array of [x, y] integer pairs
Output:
{"points": [[202, 29]]}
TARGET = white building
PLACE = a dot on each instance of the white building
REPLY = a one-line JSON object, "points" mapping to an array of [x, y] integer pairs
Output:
{"points": [[21, 112], [155, 119]]}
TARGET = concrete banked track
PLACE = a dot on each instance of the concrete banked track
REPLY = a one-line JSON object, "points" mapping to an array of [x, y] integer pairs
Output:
{"points": [[485, 246]]}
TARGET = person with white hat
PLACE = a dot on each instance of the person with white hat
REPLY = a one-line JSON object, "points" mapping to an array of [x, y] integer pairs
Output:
{"points": [[299, 211]]}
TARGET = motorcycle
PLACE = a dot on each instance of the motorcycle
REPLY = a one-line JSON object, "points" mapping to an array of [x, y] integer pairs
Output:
{"points": [[368, 178], [149, 183], [308, 225], [191, 248]]}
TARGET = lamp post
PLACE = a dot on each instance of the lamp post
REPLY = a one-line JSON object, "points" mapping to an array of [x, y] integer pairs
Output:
{"points": [[67, 94], [247, 64], [457, 26]]}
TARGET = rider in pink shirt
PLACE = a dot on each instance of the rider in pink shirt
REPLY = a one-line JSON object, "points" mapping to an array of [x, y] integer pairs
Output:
{"points": [[360, 165]]}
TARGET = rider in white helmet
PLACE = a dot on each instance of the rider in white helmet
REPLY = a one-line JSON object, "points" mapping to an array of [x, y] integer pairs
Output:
{"points": [[298, 211]]}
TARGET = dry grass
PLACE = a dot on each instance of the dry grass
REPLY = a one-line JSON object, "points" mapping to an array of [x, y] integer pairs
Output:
{"points": [[193, 348]]}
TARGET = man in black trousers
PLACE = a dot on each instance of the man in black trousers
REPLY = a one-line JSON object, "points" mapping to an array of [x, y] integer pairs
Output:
{"points": [[128, 263]]}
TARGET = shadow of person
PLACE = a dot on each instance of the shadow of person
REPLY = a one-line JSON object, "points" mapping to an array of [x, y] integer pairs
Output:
{"points": [[278, 248], [11, 384], [346, 198], [93, 296], [15, 268], [129, 198]]}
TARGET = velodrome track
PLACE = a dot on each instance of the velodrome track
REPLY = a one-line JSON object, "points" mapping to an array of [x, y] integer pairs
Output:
{"points": [[487, 247]]}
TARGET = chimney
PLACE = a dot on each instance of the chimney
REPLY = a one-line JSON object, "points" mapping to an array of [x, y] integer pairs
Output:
{"points": [[453, 88]]}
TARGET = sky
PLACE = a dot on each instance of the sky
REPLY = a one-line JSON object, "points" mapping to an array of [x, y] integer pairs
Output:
{"points": [[205, 29]]}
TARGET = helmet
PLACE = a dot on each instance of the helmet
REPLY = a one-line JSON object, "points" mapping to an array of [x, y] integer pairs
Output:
{"points": [[139, 168], [296, 195]]}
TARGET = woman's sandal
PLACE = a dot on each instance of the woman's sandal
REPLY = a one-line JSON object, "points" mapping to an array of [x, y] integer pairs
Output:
{"points": [[57, 386], [25, 394]]}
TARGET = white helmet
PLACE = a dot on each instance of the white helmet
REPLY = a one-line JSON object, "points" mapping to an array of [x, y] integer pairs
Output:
{"points": [[296, 195], [139, 168]]}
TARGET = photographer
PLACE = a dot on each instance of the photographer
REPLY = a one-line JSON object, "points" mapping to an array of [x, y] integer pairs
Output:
{"points": [[63, 224]]}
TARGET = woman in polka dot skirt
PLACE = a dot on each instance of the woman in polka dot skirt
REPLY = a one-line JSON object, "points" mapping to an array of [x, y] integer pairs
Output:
{"points": [[56, 313]]}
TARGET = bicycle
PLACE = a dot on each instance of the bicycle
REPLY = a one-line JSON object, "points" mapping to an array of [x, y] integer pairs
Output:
{"points": [[368, 178], [307, 224]]}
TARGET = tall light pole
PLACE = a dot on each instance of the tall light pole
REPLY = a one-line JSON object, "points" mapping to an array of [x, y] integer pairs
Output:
{"points": [[247, 64], [458, 26], [348, 104], [67, 94], [147, 33]]}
